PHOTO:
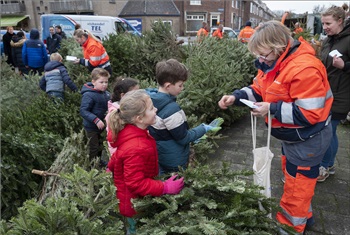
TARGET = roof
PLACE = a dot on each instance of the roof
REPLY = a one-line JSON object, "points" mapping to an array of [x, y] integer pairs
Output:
{"points": [[150, 8], [11, 20]]}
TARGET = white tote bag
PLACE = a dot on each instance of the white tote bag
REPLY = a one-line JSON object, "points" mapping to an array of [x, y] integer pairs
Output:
{"points": [[262, 159]]}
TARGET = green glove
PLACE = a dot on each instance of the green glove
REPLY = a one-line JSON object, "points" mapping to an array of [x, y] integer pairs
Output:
{"points": [[199, 140], [217, 122]]}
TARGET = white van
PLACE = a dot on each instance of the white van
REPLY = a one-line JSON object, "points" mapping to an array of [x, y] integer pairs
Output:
{"points": [[100, 26], [231, 34]]}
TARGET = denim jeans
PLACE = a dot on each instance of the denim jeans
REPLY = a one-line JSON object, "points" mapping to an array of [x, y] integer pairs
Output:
{"points": [[56, 94], [329, 157]]}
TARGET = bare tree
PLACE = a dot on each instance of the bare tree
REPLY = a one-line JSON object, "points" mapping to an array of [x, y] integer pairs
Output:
{"points": [[318, 9]]}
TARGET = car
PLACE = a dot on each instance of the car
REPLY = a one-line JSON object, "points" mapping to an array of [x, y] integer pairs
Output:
{"points": [[3, 31], [227, 31]]}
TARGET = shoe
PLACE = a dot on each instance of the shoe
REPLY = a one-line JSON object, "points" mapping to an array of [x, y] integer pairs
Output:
{"points": [[331, 170], [283, 179], [323, 175]]}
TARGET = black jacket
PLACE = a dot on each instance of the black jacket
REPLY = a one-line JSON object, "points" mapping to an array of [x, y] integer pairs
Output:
{"points": [[339, 79], [53, 43]]}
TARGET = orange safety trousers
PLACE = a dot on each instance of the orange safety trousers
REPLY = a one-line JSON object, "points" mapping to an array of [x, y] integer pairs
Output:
{"points": [[296, 199]]}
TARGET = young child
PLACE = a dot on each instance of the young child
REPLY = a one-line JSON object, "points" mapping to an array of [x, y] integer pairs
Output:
{"points": [[122, 85], [55, 77], [93, 109], [171, 130], [135, 162]]}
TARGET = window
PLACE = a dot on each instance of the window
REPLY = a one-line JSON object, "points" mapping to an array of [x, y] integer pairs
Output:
{"points": [[169, 22], [195, 2], [194, 22], [112, 1]]}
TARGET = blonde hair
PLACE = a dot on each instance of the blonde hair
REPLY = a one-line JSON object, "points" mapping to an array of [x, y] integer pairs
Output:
{"points": [[98, 73], [55, 57], [132, 104], [271, 34], [336, 12], [85, 33]]}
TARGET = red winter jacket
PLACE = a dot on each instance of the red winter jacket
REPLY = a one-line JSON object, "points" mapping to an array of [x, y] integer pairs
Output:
{"points": [[134, 165]]}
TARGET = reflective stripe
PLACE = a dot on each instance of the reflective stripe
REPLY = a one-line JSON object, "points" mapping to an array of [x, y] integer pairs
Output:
{"points": [[249, 93], [86, 62], [106, 65], [311, 103], [287, 113], [310, 209], [329, 94], [97, 58], [294, 220]]}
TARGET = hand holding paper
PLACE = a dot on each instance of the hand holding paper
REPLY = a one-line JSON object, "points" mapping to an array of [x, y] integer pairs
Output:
{"points": [[335, 53], [249, 103]]}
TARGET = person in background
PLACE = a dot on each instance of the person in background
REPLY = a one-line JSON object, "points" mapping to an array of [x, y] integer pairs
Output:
{"points": [[56, 77], [246, 32], [203, 31], [121, 87], [7, 44], [53, 41], [34, 53], [135, 163], [297, 29], [95, 55], [171, 131], [59, 31], [218, 33], [93, 109], [292, 85], [338, 70], [16, 46]]}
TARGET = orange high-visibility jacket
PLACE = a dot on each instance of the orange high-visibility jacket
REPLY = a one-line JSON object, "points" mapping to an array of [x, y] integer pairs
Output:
{"points": [[299, 92], [202, 32], [95, 54], [245, 34], [217, 33], [298, 30]]}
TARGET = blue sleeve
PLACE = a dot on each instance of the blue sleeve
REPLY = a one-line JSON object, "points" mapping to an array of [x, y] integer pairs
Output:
{"points": [[24, 54], [243, 94], [87, 103], [42, 83], [192, 135], [44, 54], [66, 79]]}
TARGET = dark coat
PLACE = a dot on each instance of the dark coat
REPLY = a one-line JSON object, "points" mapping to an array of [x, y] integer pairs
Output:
{"points": [[93, 107], [53, 43], [17, 44], [339, 79], [7, 47]]}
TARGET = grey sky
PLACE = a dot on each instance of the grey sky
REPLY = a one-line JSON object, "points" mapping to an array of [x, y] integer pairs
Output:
{"points": [[300, 6]]}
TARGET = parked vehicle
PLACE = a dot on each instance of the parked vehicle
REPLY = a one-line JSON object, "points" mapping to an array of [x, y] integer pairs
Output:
{"points": [[100, 26], [226, 31], [3, 31]]}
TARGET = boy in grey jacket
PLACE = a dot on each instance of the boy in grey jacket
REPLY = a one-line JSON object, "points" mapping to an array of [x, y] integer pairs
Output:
{"points": [[55, 77]]}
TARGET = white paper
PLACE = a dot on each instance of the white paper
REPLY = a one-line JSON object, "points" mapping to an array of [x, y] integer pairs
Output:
{"points": [[249, 103], [71, 58], [335, 52]]}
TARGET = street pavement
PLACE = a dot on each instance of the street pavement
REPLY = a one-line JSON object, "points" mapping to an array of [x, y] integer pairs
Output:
{"points": [[331, 202]]}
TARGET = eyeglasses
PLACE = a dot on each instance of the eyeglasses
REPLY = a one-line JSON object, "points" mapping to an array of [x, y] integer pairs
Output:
{"points": [[264, 57]]}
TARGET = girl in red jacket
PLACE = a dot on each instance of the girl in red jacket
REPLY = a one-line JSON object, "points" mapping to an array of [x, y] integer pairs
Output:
{"points": [[135, 163]]}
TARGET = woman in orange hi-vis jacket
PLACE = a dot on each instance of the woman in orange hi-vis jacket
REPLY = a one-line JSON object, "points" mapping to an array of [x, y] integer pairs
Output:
{"points": [[95, 55], [292, 85], [218, 33], [246, 33]]}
